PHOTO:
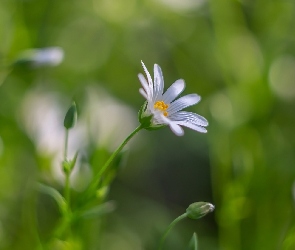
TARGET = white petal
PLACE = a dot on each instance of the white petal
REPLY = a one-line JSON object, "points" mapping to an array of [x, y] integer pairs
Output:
{"points": [[159, 118], [145, 85], [143, 93], [183, 102], [158, 83], [173, 91], [192, 126], [176, 129], [150, 81], [51, 56], [189, 117]]}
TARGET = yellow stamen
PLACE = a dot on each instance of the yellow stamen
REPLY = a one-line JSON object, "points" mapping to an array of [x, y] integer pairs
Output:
{"points": [[162, 106]]}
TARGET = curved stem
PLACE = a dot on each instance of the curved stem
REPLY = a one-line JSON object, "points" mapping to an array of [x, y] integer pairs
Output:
{"points": [[67, 189], [96, 178], [173, 223]]}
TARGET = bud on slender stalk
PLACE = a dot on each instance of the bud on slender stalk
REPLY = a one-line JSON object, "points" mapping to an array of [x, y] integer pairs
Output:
{"points": [[199, 209]]}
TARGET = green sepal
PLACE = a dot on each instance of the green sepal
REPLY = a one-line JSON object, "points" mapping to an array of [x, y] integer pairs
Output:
{"points": [[155, 127], [68, 165], [146, 121], [71, 116], [22, 62], [143, 119], [25, 59], [199, 209]]}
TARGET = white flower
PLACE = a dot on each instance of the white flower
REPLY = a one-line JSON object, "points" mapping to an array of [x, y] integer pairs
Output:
{"points": [[161, 109], [49, 56]]}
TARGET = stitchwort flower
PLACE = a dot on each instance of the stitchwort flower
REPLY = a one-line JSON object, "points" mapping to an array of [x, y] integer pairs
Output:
{"points": [[161, 109], [49, 56]]}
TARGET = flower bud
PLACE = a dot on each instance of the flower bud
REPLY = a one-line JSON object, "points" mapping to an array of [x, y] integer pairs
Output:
{"points": [[199, 209], [71, 117]]}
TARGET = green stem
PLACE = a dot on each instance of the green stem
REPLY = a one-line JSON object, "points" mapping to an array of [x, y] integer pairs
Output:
{"points": [[96, 178], [67, 189], [66, 145], [173, 223], [63, 227]]}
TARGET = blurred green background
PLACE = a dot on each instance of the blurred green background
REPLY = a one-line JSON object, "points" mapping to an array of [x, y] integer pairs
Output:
{"points": [[238, 55]]}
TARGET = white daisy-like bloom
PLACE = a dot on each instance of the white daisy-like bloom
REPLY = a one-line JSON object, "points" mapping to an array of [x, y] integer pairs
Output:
{"points": [[49, 56], [162, 109]]}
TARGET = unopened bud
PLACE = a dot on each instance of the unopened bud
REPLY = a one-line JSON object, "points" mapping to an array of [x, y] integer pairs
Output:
{"points": [[199, 209], [71, 117]]}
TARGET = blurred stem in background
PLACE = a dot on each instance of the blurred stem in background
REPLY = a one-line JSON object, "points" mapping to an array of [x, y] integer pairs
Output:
{"points": [[246, 163], [67, 173], [68, 165], [239, 54], [227, 20]]}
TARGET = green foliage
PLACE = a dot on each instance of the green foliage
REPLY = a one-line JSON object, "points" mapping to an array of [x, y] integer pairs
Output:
{"points": [[68, 165], [238, 55]]}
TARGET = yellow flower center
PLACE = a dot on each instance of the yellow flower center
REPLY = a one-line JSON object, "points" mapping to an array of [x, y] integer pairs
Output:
{"points": [[162, 106]]}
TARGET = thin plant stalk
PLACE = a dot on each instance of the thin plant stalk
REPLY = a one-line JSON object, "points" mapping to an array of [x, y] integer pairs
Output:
{"points": [[173, 223], [67, 189], [97, 177]]}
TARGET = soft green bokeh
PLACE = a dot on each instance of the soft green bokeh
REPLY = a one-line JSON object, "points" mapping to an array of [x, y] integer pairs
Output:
{"points": [[238, 55]]}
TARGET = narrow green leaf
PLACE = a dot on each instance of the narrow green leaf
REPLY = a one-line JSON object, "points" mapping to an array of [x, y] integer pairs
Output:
{"points": [[55, 195], [193, 245], [99, 210]]}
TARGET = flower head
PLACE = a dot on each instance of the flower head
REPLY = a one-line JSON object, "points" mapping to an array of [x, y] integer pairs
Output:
{"points": [[49, 56], [162, 109]]}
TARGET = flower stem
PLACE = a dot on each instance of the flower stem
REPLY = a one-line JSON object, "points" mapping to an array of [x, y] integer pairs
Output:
{"points": [[66, 145], [173, 223], [96, 178], [67, 189]]}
